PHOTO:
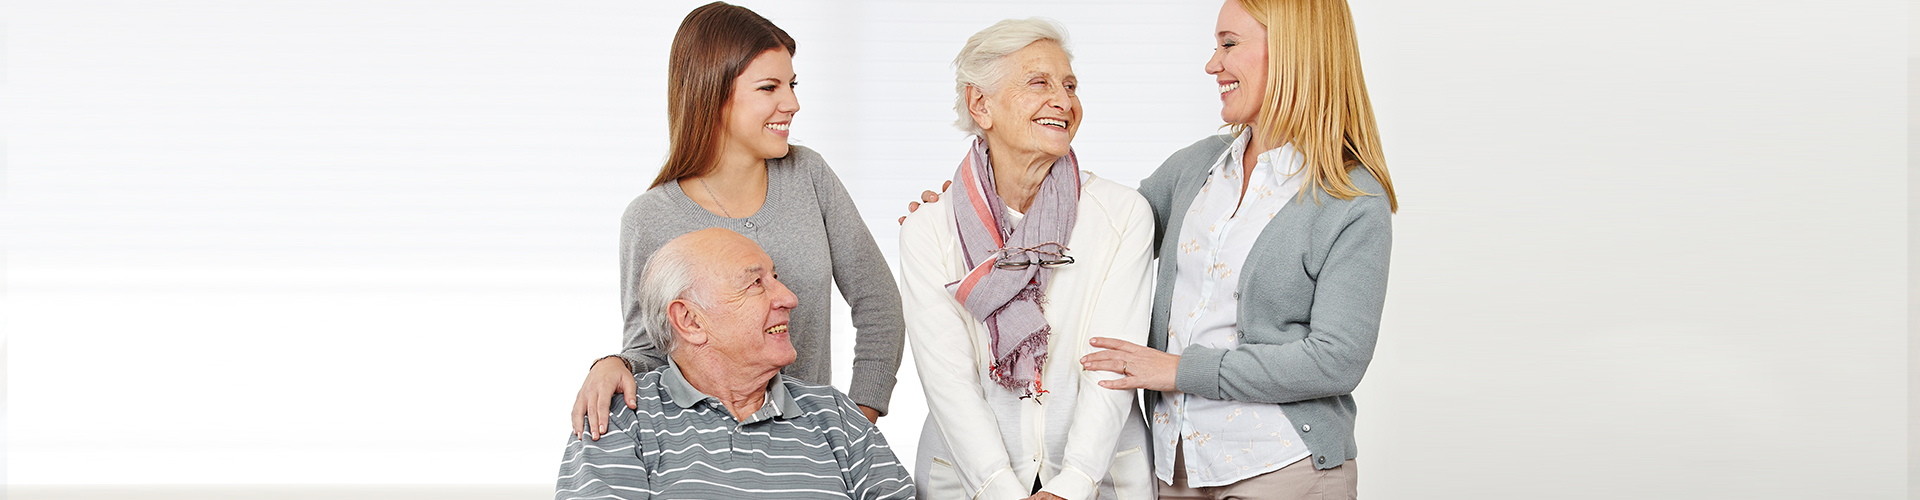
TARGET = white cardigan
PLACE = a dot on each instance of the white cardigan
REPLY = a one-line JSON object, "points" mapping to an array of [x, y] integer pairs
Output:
{"points": [[982, 441]]}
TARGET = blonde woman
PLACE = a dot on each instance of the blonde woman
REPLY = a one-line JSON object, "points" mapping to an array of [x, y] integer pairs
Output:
{"points": [[1273, 266]]}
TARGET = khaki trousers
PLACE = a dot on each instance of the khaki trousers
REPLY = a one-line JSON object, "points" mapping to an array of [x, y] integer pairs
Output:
{"points": [[1296, 481]]}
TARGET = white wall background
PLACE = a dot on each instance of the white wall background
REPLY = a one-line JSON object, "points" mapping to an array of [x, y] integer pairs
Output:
{"points": [[1648, 249]]}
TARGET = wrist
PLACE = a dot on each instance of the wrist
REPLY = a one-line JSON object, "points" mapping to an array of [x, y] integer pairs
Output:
{"points": [[623, 362]]}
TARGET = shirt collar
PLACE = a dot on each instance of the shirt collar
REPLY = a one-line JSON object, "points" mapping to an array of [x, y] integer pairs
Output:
{"points": [[1272, 157], [685, 395]]}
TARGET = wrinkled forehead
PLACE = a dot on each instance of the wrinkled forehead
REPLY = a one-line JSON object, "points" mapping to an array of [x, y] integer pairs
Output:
{"points": [[1040, 58], [732, 258]]}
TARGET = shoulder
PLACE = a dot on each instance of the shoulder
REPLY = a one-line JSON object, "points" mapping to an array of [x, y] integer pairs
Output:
{"points": [[826, 403], [935, 218], [654, 199], [1204, 150], [801, 159], [1374, 205], [1112, 198]]}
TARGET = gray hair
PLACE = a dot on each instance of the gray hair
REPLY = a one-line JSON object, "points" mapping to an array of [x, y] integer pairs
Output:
{"points": [[979, 63], [668, 277]]}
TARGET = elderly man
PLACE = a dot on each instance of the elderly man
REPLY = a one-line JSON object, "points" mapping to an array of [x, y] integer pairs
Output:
{"points": [[718, 421]]}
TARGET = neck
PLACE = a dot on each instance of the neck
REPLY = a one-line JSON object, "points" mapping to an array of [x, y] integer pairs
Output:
{"points": [[1017, 175], [742, 391], [1259, 144]]}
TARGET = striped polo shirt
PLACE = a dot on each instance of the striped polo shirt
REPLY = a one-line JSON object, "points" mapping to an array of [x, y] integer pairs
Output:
{"points": [[807, 441]]}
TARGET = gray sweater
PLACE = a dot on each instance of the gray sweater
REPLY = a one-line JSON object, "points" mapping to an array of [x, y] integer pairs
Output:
{"points": [[810, 228], [1311, 293]]}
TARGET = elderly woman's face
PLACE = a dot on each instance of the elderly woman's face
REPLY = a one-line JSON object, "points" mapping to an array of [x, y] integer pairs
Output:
{"points": [[1239, 63], [1034, 109]]}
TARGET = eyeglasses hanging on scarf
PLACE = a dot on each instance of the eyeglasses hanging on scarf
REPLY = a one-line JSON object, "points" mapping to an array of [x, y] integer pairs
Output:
{"points": [[1060, 258]]}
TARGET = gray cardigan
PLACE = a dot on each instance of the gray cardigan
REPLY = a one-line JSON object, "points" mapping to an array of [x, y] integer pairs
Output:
{"points": [[816, 238], [1310, 296]]}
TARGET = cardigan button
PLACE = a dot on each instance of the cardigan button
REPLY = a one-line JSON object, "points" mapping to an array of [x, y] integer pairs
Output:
{"points": [[1236, 295], [1323, 459], [1306, 427]]}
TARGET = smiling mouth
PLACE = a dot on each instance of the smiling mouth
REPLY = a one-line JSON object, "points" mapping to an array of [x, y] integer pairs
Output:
{"points": [[777, 330], [1229, 87], [780, 127], [1052, 122]]}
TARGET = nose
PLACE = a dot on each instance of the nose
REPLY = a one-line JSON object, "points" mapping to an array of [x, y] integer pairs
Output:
{"points": [[790, 103], [783, 298], [1213, 63]]}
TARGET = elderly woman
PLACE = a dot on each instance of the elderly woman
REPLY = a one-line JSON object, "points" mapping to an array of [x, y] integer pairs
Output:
{"points": [[1009, 280]]}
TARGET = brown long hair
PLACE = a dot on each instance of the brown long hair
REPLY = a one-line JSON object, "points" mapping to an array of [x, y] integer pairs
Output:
{"points": [[715, 43], [1316, 96]]}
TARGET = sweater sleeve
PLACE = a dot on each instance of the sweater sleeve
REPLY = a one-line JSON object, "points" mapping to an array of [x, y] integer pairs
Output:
{"points": [[860, 272], [1120, 306], [635, 248], [944, 354], [1348, 297]]}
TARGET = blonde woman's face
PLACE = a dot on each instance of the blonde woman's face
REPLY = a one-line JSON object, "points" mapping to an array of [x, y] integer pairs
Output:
{"points": [[762, 106], [1239, 64]]}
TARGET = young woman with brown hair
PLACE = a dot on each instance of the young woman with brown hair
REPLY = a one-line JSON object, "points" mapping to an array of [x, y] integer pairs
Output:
{"points": [[730, 101]]}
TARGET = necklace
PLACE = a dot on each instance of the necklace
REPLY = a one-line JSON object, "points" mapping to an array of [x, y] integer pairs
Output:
{"points": [[716, 198]]}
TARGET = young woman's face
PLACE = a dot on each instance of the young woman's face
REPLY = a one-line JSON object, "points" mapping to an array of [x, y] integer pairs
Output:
{"points": [[1239, 64], [762, 106]]}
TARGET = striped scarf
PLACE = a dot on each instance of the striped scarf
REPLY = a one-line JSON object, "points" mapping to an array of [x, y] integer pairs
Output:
{"points": [[1008, 300]]}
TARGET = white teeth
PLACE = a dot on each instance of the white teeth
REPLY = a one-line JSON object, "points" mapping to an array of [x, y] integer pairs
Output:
{"points": [[1053, 122], [1229, 87], [777, 330], [778, 126]]}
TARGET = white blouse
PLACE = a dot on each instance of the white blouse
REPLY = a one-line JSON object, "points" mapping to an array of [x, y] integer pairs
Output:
{"points": [[1224, 441], [1080, 440]]}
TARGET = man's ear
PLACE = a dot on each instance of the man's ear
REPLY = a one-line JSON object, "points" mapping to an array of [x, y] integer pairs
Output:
{"points": [[690, 321], [977, 106]]}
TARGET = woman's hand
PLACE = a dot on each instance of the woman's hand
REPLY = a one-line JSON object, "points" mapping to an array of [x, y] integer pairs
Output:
{"points": [[1045, 496], [608, 376], [873, 416], [926, 196], [1144, 367]]}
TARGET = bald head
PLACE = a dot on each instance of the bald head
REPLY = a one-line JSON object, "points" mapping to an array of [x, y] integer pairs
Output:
{"points": [[727, 279]]}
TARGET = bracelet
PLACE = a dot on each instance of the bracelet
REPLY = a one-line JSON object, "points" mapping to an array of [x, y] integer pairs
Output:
{"points": [[623, 361]]}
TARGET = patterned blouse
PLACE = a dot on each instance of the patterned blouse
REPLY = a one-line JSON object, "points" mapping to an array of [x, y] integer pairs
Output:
{"points": [[1224, 441]]}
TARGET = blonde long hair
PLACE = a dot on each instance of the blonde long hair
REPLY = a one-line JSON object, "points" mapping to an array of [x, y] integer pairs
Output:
{"points": [[1316, 96]]}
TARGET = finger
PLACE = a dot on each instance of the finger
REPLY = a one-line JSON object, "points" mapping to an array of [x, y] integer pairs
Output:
{"points": [[578, 415], [903, 220], [1113, 343], [930, 196], [1123, 383], [1109, 365], [945, 185], [1100, 356], [599, 415], [627, 387]]}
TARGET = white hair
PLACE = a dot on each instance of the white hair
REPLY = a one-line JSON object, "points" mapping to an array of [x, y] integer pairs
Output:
{"points": [[668, 277], [979, 64]]}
